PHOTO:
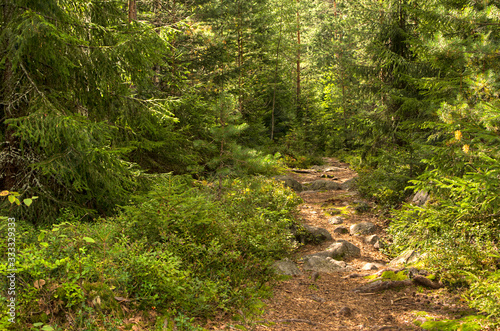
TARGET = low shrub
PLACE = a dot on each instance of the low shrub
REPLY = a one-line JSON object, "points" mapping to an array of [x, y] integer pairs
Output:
{"points": [[189, 247]]}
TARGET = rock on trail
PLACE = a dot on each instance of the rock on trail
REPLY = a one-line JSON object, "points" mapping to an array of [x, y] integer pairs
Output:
{"points": [[327, 273]]}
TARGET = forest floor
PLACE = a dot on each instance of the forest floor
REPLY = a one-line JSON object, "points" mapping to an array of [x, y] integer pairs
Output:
{"points": [[329, 303]]}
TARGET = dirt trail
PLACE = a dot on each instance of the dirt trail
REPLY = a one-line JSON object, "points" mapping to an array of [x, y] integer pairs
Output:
{"points": [[329, 303]]}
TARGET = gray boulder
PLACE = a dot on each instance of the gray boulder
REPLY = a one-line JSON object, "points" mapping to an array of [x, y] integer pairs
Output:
{"points": [[290, 182], [324, 264], [407, 257], [336, 220], [369, 266], [420, 198], [315, 234], [341, 230], [286, 267], [343, 248], [363, 228], [372, 240], [322, 184], [338, 250], [372, 266]]}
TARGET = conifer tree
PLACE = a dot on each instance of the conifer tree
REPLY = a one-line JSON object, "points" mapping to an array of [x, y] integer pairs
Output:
{"points": [[77, 97]]}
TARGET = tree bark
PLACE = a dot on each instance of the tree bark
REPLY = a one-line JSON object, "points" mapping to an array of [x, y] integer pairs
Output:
{"points": [[276, 74], [240, 58], [132, 10], [298, 58]]}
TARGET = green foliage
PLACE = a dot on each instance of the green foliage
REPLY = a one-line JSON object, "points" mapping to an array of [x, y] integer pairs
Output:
{"points": [[69, 117], [410, 87], [385, 185], [484, 293], [179, 248], [469, 323]]}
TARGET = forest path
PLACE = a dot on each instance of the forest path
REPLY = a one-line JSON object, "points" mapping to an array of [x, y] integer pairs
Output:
{"points": [[328, 303]]}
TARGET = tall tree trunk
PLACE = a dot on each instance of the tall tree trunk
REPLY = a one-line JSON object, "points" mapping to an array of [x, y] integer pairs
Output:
{"points": [[222, 123], [132, 11], [298, 58], [240, 57], [276, 73]]}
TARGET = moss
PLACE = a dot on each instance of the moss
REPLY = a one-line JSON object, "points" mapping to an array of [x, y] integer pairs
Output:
{"points": [[388, 275], [445, 325], [333, 210], [469, 323], [421, 313], [391, 275]]}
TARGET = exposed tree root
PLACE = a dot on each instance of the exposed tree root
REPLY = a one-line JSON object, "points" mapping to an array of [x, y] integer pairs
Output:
{"points": [[381, 285], [421, 280]]}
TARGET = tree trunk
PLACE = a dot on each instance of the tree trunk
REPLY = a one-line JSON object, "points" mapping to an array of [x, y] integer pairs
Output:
{"points": [[298, 58], [132, 11], [240, 58], [276, 74]]}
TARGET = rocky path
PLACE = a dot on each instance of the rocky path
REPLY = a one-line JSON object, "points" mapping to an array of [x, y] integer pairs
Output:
{"points": [[322, 294]]}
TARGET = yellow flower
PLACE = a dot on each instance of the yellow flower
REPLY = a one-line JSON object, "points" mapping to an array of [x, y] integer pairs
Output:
{"points": [[458, 135], [465, 148]]}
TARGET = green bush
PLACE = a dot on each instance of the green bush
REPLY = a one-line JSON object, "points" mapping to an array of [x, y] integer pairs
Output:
{"points": [[386, 187], [187, 246], [459, 228]]}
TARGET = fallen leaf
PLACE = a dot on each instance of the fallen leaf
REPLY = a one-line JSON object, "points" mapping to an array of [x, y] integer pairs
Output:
{"points": [[39, 283]]}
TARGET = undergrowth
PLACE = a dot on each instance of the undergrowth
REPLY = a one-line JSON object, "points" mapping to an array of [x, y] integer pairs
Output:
{"points": [[457, 231], [186, 251]]}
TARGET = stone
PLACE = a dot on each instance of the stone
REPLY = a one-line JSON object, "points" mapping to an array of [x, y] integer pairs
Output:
{"points": [[321, 264], [339, 263], [369, 266], [363, 228], [420, 198], [318, 234], [349, 184], [290, 182], [343, 248], [336, 220], [372, 240], [372, 266], [338, 250], [341, 230], [407, 257], [322, 184], [345, 311], [286, 267]]}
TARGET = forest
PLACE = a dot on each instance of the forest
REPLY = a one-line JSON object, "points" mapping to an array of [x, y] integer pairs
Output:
{"points": [[139, 140]]}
